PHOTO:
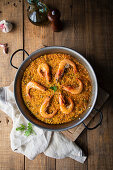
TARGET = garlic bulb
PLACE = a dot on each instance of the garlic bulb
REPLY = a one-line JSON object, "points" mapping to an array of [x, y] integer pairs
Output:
{"points": [[5, 48], [5, 26]]}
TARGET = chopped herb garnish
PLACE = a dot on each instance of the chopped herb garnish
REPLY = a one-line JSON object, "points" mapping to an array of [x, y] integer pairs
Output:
{"points": [[21, 128], [28, 130], [54, 88]]}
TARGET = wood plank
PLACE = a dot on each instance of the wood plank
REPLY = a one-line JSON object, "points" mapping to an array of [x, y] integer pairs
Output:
{"points": [[40, 162], [100, 142], [68, 163], [99, 49], [13, 38], [72, 13], [34, 38], [73, 133], [9, 159]]}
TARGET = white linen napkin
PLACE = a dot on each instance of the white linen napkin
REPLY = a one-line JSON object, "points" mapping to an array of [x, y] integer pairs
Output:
{"points": [[53, 144]]}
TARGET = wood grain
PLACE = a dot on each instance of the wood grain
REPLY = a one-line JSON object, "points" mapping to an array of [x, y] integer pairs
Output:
{"points": [[14, 39], [74, 133], [99, 40], [8, 159], [35, 38], [41, 162], [99, 49], [100, 142], [88, 29], [72, 36]]}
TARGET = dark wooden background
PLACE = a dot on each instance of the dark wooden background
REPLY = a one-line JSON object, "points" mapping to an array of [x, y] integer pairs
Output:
{"points": [[88, 30]]}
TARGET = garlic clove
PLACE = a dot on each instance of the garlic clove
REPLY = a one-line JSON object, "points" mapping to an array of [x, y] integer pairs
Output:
{"points": [[5, 26], [5, 48]]}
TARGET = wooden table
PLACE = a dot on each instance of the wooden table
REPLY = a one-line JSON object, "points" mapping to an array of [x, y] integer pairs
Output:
{"points": [[88, 30]]}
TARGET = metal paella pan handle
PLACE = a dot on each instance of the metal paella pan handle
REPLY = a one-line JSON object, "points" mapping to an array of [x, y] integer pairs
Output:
{"points": [[100, 122], [13, 56]]}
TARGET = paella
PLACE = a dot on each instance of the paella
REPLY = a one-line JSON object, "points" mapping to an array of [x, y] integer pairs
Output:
{"points": [[56, 88]]}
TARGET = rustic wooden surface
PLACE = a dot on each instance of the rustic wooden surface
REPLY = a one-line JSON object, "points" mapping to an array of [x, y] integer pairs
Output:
{"points": [[88, 30], [75, 132]]}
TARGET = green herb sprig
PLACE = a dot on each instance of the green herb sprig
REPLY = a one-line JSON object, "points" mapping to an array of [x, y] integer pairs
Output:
{"points": [[21, 128], [53, 88], [28, 130]]}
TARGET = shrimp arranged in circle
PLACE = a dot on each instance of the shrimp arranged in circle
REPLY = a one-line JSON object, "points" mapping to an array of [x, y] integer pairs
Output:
{"points": [[74, 90], [34, 85], [64, 64], [44, 71], [44, 106], [65, 109]]}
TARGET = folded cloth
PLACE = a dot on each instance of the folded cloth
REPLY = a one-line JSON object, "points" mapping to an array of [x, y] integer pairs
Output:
{"points": [[52, 144]]}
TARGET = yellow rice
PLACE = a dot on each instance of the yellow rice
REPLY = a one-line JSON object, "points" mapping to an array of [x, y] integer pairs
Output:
{"points": [[69, 78]]}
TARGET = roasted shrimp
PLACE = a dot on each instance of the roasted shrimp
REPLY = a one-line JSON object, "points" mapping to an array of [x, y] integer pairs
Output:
{"points": [[44, 71], [44, 106], [34, 85], [64, 64], [65, 109], [74, 90]]}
